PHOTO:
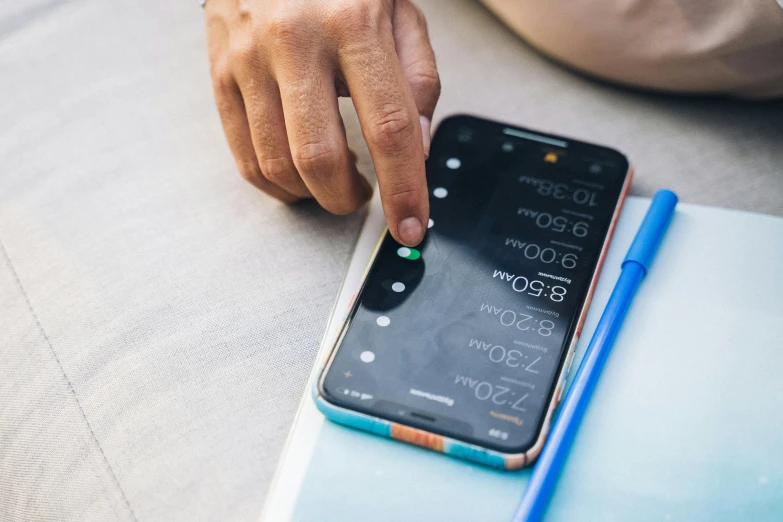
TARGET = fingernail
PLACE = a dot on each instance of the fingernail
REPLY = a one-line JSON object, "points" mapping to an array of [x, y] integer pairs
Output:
{"points": [[425, 135], [410, 231]]}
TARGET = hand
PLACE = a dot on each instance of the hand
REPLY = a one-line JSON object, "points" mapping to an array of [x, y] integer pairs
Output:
{"points": [[277, 69]]}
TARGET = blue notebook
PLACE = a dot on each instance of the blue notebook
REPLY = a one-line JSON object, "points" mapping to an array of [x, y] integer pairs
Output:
{"points": [[686, 423]]}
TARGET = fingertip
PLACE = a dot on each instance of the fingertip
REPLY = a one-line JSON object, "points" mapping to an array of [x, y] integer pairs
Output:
{"points": [[410, 231]]}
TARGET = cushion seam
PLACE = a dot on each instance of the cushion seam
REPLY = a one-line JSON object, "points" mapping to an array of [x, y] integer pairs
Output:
{"points": [[34, 315]]}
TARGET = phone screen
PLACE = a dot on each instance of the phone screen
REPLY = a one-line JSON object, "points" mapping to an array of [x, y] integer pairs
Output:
{"points": [[465, 334]]}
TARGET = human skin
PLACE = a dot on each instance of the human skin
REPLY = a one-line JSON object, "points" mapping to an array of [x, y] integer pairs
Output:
{"points": [[278, 67], [725, 47]]}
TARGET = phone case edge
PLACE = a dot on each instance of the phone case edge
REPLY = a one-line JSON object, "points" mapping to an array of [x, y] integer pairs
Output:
{"points": [[446, 445]]}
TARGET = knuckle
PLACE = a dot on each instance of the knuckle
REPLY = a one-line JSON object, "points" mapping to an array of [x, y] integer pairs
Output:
{"points": [[278, 170], [244, 52], [426, 78], [222, 77], [315, 156], [419, 14], [402, 196], [249, 171], [347, 16], [342, 206], [285, 29], [354, 21], [391, 129], [253, 175], [413, 11]]}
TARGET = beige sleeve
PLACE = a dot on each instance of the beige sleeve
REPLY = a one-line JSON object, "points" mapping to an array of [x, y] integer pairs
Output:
{"points": [[701, 46]]}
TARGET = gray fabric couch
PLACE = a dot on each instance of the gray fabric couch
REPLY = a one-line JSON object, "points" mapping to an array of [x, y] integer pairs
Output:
{"points": [[158, 315]]}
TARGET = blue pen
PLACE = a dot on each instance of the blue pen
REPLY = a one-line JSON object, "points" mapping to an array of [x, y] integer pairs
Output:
{"points": [[635, 266]]}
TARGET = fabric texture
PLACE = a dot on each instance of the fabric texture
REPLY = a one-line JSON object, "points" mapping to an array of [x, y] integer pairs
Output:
{"points": [[158, 315]]}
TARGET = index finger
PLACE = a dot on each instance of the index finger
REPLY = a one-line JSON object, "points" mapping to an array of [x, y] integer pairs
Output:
{"points": [[390, 125]]}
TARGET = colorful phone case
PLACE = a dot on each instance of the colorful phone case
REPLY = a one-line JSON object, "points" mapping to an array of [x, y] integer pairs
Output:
{"points": [[447, 445]]}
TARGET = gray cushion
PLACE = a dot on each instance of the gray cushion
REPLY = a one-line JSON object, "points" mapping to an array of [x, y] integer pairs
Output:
{"points": [[160, 316]]}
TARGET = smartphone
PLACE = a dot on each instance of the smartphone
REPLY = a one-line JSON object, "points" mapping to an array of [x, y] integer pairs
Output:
{"points": [[462, 344]]}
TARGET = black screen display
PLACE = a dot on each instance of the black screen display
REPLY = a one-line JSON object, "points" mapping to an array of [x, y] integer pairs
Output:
{"points": [[465, 334]]}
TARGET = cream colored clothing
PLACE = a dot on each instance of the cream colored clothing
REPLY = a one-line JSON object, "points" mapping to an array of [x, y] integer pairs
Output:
{"points": [[707, 46]]}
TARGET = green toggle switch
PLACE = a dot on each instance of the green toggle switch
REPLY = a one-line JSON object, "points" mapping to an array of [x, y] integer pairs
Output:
{"points": [[408, 253]]}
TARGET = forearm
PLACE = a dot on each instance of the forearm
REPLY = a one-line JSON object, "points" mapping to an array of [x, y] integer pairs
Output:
{"points": [[706, 46]]}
